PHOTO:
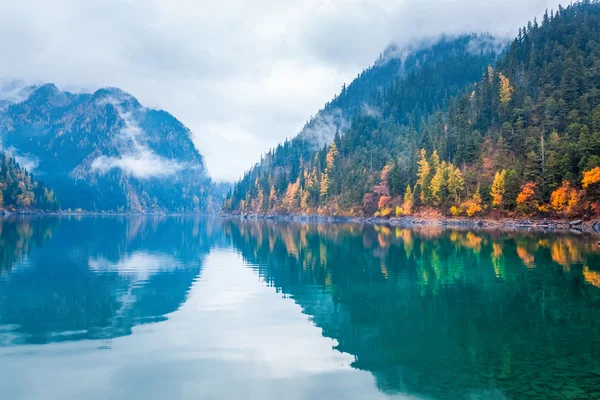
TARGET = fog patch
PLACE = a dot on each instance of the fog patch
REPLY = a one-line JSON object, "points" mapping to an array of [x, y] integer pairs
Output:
{"points": [[13, 92], [321, 130], [136, 158], [370, 111], [487, 44], [27, 161], [478, 43]]}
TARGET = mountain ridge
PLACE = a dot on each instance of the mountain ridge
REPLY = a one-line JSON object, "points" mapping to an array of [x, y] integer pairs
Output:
{"points": [[104, 151]]}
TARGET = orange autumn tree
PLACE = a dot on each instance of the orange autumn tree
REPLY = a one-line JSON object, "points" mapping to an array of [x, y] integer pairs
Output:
{"points": [[566, 199], [473, 205], [527, 199], [591, 177], [591, 183]]}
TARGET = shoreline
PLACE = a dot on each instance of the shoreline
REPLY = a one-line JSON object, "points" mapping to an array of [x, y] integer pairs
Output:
{"points": [[549, 225], [504, 224], [32, 213]]}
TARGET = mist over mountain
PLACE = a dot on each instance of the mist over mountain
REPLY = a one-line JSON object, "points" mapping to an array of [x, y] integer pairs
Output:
{"points": [[405, 84], [104, 151]]}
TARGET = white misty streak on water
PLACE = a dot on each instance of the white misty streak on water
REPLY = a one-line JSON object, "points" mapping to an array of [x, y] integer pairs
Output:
{"points": [[139, 266], [139, 160]]}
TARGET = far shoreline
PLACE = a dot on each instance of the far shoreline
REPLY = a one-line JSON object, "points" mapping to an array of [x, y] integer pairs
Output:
{"points": [[504, 224]]}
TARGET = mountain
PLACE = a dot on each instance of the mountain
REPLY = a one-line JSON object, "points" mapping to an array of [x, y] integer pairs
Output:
{"points": [[106, 152], [399, 90], [519, 137]]}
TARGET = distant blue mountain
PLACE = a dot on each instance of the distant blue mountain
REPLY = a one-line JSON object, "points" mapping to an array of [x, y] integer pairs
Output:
{"points": [[106, 152]]}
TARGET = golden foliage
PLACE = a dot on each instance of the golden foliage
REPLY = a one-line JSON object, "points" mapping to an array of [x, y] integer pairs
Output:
{"points": [[385, 212], [456, 211], [527, 258], [384, 201], [526, 200], [324, 185], [591, 277], [473, 205], [506, 90], [331, 156], [498, 188], [565, 199], [424, 170], [565, 252], [408, 201], [591, 177]]}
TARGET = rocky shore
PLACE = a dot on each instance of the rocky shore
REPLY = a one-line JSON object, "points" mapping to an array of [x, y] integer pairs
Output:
{"points": [[576, 225]]}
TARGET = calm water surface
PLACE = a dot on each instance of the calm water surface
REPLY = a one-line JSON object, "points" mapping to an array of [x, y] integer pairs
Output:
{"points": [[183, 308]]}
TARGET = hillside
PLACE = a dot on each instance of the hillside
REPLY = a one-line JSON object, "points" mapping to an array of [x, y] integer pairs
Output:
{"points": [[106, 152], [521, 138], [398, 91], [20, 190]]}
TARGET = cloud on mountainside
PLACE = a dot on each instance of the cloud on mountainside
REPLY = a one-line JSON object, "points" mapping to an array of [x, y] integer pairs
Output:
{"points": [[242, 75], [136, 158]]}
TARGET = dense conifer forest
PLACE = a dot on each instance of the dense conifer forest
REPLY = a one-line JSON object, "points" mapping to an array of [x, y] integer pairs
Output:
{"points": [[463, 133]]}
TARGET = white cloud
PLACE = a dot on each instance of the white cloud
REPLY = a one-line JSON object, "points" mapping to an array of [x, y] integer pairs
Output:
{"points": [[136, 158], [27, 161], [242, 75]]}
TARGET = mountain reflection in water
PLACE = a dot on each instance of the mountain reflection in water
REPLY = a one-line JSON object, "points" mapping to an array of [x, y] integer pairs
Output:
{"points": [[427, 312]]}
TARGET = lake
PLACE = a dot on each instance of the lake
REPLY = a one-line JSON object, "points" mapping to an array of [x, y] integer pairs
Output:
{"points": [[193, 308]]}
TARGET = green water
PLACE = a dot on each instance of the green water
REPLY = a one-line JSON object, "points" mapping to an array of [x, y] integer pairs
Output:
{"points": [[184, 308]]}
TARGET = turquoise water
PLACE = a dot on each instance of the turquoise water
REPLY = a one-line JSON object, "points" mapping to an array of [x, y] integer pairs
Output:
{"points": [[184, 308]]}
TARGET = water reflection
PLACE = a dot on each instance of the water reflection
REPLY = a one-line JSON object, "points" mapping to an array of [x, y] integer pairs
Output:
{"points": [[95, 278], [441, 313], [426, 313]]}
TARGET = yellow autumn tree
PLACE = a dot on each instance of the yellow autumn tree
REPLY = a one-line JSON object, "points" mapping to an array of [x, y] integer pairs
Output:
{"points": [[324, 188], [290, 200], [423, 173], [473, 205], [438, 182], [506, 90], [407, 206], [456, 182], [272, 197], [331, 156], [498, 188]]}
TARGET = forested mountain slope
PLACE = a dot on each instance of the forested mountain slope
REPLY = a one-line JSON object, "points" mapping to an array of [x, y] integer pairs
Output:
{"points": [[400, 88], [523, 139], [106, 152], [19, 190]]}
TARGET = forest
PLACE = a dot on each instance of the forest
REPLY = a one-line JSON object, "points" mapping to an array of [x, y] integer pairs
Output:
{"points": [[463, 134], [19, 190]]}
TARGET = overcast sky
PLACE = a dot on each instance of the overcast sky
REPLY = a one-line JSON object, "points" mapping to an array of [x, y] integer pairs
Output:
{"points": [[242, 75]]}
